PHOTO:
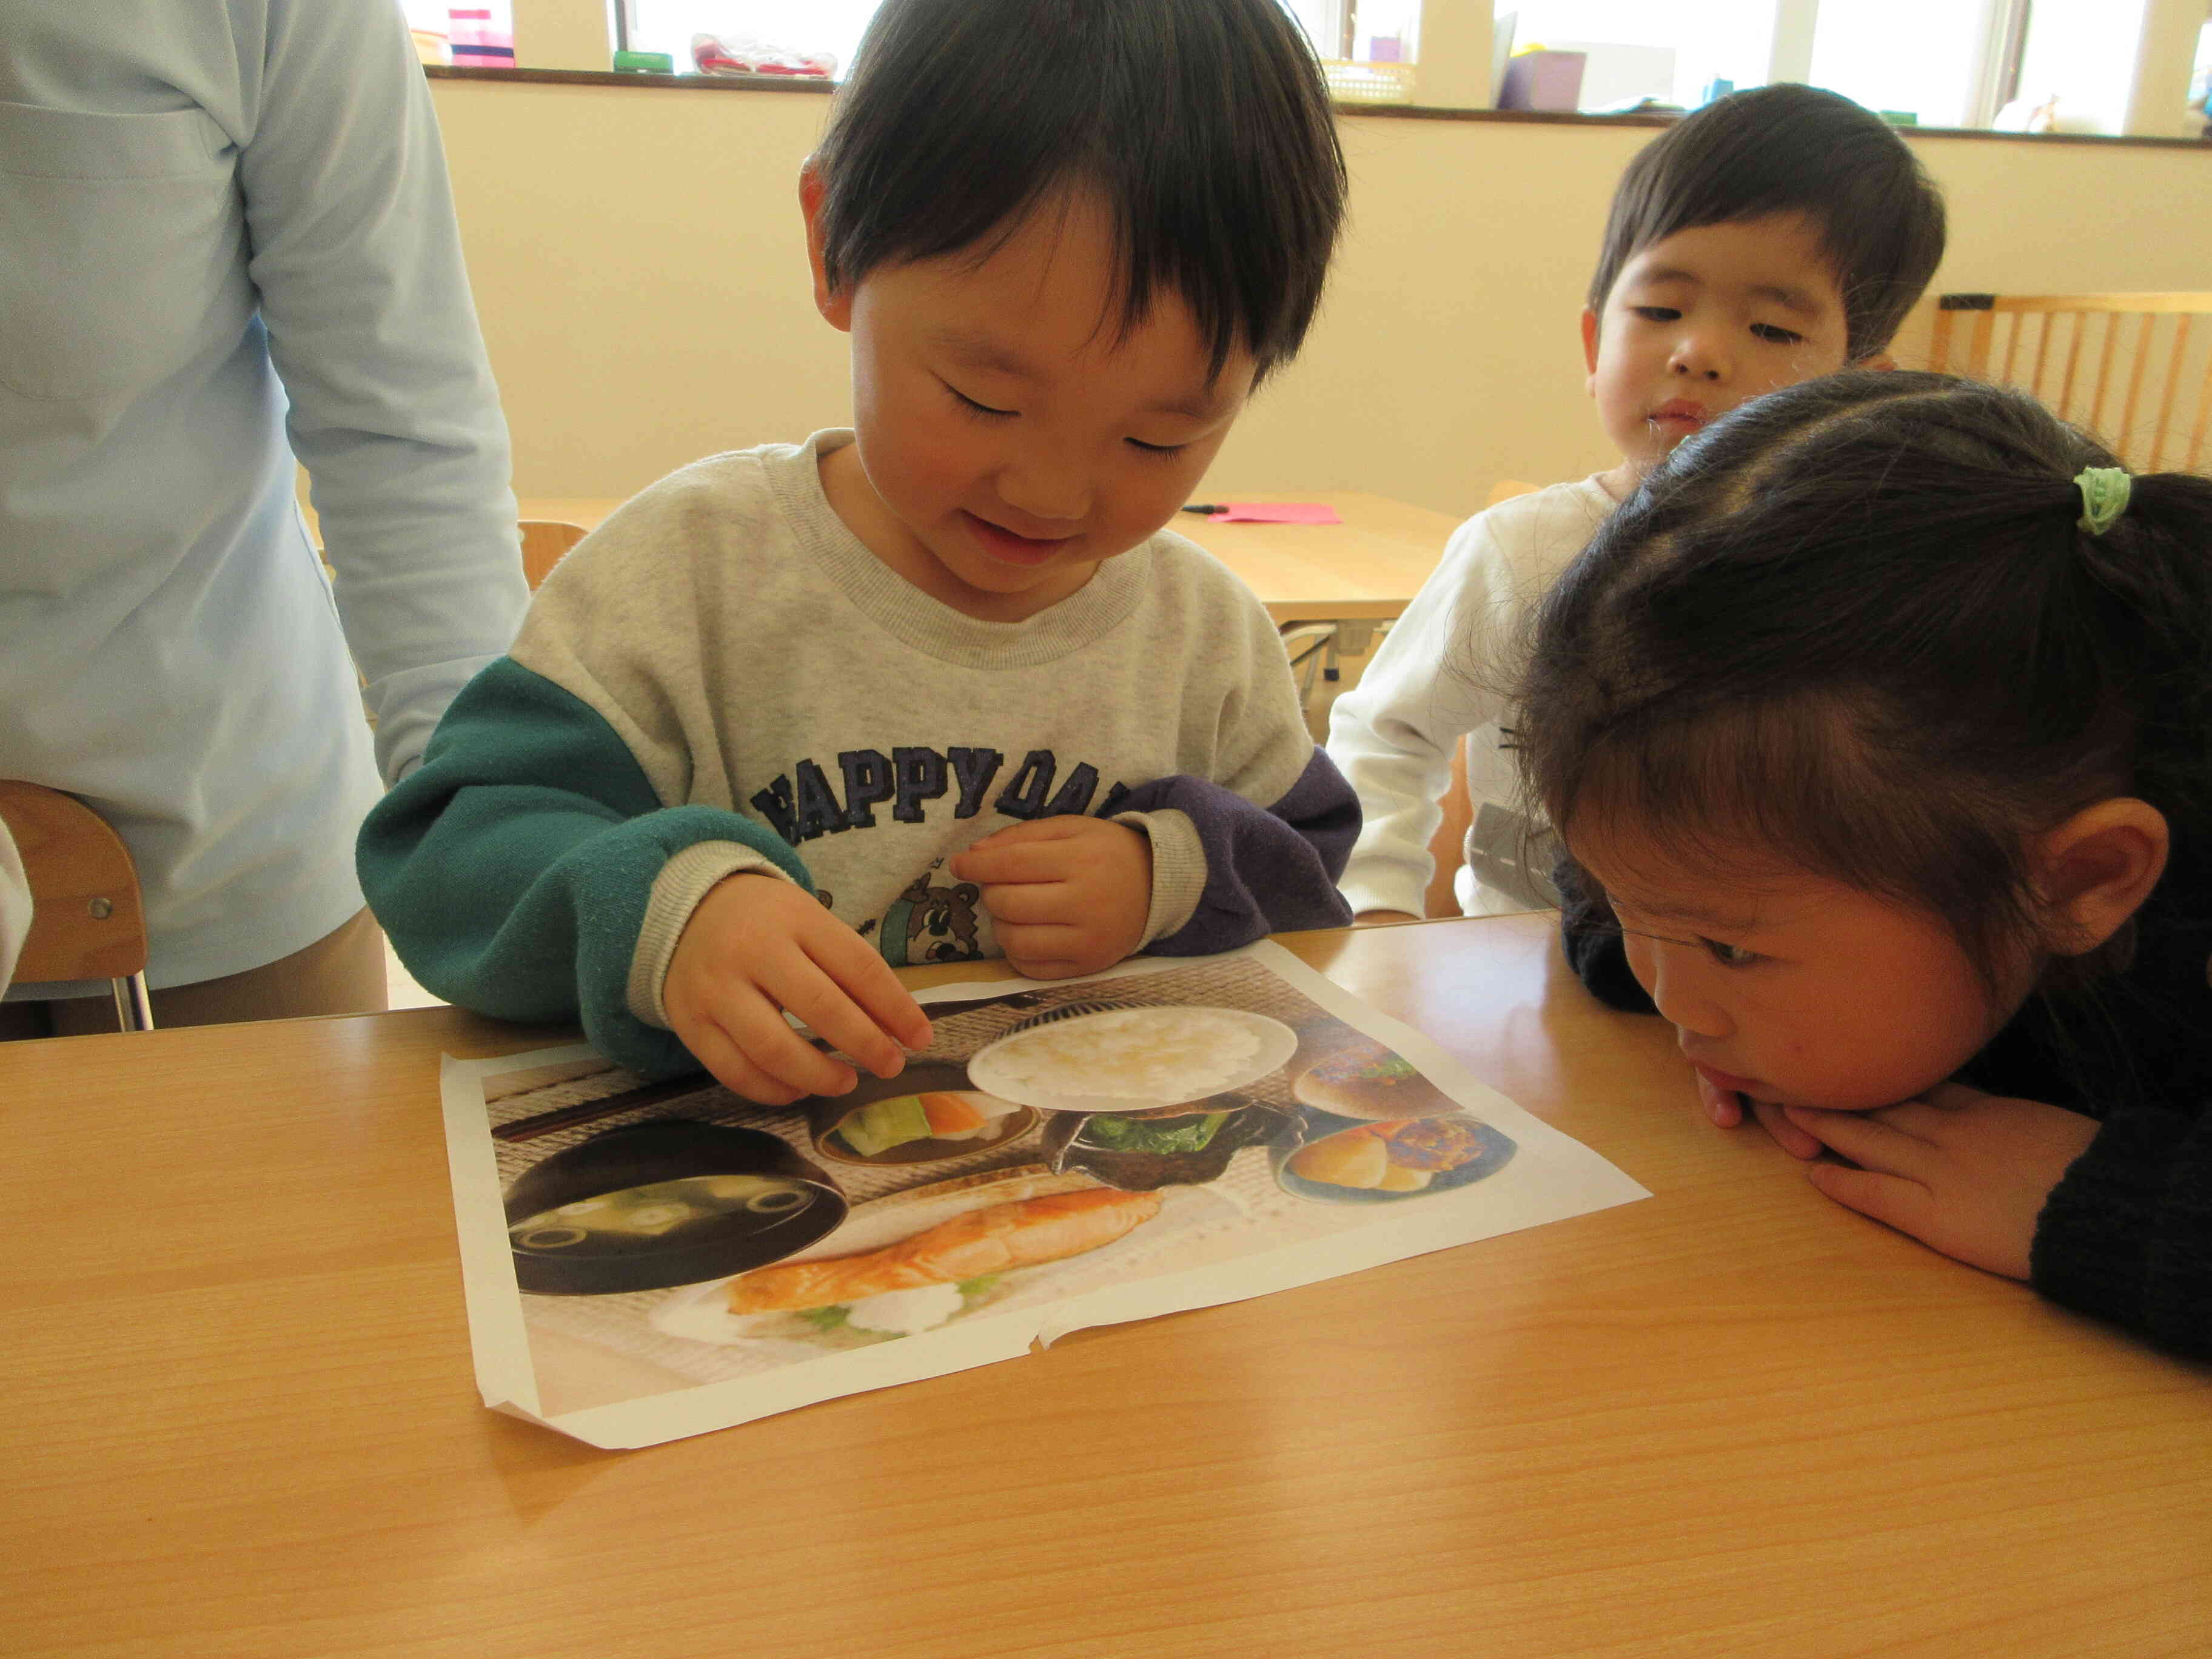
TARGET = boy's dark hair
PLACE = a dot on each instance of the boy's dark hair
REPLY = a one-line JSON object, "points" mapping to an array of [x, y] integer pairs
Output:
{"points": [[1790, 149], [1204, 125], [1857, 622]]}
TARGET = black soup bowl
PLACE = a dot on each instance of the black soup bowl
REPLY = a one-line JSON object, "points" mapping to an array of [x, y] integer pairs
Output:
{"points": [[671, 1203]]}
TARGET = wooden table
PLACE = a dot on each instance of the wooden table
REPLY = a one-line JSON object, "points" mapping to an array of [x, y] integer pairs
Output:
{"points": [[238, 1416], [1365, 570]]}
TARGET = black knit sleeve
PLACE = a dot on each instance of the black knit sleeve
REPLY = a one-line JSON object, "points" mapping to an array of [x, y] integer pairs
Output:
{"points": [[1592, 939], [2127, 1233]]}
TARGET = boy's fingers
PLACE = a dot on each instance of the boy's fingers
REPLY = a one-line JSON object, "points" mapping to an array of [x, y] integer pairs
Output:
{"points": [[1027, 904], [1045, 966], [831, 1014], [864, 977], [713, 1049], [1045, 941], [757, 1028], [1012, 861]]}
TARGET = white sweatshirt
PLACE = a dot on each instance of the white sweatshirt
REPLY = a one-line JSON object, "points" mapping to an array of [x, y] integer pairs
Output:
{"points": [[1444, 673]]}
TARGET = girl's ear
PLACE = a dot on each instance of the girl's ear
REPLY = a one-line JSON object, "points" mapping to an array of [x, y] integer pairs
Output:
{"points": [[834, 305], [2097, 867], [1589, 348]]}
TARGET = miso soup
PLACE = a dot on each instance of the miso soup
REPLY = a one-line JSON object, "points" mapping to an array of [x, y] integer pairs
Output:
{"points": [[666, 1215]]}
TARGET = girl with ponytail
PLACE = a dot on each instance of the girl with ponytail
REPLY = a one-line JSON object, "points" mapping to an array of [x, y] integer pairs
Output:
{"points": [[1877, 727]]}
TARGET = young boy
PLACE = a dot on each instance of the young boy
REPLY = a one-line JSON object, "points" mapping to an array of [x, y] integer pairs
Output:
{"points": [[937, 687], [1773, 236]]}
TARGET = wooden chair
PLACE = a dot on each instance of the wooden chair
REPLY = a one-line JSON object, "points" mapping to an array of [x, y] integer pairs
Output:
{"points": [[86, 920], [2135, 368], [543, 543]]}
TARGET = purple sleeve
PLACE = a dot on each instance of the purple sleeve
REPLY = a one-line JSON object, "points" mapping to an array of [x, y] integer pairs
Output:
{"points": [[1268, 869]]}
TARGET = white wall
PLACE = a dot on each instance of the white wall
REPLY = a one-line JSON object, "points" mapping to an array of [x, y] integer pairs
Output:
{"points": [[637, 260]]}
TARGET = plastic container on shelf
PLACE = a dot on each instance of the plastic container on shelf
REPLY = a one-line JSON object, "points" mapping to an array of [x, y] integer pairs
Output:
{"points": [[739, 54], [482, 35], [1368, 84]]}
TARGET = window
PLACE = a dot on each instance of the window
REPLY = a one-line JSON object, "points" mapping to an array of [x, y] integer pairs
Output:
{"points": [[1369, 31], [2068, 64]]}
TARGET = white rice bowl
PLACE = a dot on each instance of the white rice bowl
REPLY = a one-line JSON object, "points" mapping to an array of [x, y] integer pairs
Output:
{"points": [[1162, 1054]]}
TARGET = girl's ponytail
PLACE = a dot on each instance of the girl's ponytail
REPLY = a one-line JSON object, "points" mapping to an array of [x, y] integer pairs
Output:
{"points": [[2155, 556]]}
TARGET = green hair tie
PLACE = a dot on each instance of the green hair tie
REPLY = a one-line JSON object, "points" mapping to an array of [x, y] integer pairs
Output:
{"points": [[2104, 496]]}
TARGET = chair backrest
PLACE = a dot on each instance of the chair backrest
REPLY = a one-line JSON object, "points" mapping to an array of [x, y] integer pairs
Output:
{"points": [[543, 542], [87, 920], [2134, 368]]}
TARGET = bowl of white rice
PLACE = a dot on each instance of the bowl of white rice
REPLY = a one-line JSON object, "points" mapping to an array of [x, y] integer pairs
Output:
{"points": [[1130, 1059]]}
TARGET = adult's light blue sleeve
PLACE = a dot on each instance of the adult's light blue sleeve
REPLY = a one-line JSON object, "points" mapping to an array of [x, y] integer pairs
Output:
{"points": [[357, 259]]}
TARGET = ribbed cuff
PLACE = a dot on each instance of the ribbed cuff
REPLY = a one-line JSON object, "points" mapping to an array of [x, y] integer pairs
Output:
{"points": [[685, 880], [1178, 869]]}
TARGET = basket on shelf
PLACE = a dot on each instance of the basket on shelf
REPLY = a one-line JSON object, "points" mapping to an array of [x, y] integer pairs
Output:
{"points": [[1369, 83]]}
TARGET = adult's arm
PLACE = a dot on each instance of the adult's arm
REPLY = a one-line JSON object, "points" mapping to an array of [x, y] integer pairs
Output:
{"points": [[363, 288]]}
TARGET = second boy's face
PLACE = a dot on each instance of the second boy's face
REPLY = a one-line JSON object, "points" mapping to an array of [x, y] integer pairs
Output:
{"points": [[1708, 319], [1010, 438]]}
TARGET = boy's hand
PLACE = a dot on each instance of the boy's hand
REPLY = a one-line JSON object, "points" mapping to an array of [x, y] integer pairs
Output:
{"points": [[1964, 1172], [1067, 895], [758, 946]]}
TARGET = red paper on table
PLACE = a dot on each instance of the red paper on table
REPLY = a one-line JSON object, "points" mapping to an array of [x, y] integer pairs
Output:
{"points": [[1274, 513]]}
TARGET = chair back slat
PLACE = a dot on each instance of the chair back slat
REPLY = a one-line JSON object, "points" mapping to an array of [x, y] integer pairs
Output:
{"points": [[2135, 368], [2099, 391], [86, 920], [2135, 375], [2081, 321], [2174, 373], [545, 541], [2197, 455]]}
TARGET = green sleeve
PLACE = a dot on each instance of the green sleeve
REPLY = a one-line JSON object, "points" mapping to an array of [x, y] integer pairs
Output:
{"points": [[512, 867]]}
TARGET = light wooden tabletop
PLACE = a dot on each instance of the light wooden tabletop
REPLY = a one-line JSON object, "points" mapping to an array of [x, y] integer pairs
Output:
{"points": [[237, 1415], [1366, 569]]}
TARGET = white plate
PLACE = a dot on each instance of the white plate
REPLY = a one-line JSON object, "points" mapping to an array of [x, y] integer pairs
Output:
{"points": [[1278, 1042]]}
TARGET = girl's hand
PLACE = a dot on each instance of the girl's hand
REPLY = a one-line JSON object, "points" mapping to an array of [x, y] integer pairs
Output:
{"points": [[1964, 1172], [758, 946], [1727, 1110], [1067, 895]]}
